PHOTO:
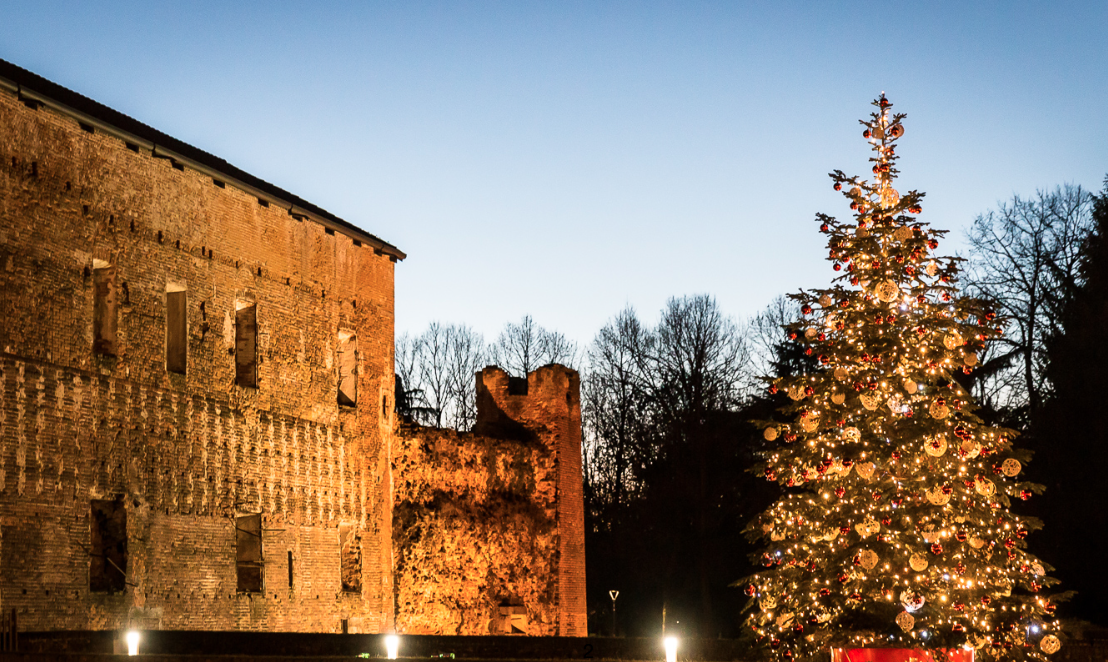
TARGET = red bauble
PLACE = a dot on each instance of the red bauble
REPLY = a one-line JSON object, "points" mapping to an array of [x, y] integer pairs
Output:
{"points": [[866, 134], [838, 186], [838, 267], [936, 549]]}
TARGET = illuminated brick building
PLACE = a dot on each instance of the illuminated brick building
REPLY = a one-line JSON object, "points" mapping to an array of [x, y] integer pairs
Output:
{"points": [[196, 405]]}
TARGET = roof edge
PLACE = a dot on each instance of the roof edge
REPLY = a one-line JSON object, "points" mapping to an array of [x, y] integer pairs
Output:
{"points": [[32, 87]]}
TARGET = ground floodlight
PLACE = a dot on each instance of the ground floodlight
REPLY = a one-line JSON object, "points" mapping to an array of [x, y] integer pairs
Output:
{"points": [[133, 642], [671, 648], [392, 646]]}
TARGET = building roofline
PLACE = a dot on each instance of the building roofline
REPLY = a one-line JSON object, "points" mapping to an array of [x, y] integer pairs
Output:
{"points": [[34, 89]]}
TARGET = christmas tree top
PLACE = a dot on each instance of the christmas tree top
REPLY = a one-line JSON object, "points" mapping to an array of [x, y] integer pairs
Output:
{"points": [[895, 528]]}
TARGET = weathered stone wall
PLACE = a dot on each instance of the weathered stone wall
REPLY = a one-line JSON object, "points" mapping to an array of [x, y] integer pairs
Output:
{"points": [[488, 526], [186, 453]]}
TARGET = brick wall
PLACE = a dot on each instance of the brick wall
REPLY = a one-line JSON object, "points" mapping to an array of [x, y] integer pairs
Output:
{"points": [[489, 525], [186, 453]]}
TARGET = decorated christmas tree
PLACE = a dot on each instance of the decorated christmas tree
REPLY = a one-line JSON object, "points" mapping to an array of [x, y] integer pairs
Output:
{"points": [[895, 528]]}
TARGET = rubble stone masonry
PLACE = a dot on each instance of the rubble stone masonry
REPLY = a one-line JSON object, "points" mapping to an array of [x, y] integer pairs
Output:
{"points": [[489, 526], [94, 235]]}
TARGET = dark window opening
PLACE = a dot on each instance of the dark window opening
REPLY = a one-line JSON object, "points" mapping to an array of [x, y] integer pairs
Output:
{"points": [[248, 553], [290, 568], [108, 548], [176, 331], [350, 553], [517, 386], [246, 345], [348, 369], [104, 309]]}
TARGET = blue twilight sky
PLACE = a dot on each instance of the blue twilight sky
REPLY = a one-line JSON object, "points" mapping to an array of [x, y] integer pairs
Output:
{"points": [[565, 159]]}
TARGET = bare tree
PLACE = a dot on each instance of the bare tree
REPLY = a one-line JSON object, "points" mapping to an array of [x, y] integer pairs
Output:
{"points": [[465, 357], [1022, 257], [699, 361], [520, 348], [438, 370], [614, 408]]}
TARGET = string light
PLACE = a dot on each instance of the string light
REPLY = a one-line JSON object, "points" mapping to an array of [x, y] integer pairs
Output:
{"points": [[894, 488]]}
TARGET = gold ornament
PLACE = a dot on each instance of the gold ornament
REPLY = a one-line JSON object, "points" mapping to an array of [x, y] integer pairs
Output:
{"points": [[796, 392], [930, 534], [784, 619], [865, 469], [887, 291], [970, 359], [952, 340], [918, 562], [903, 233], [905, 620], [932, 268], [768, 603], [825, 300], [894, 404], [976, 543], [935, 447], [971, 448], [1038, 568], [809, 423], [1050, 644], [868, 558], [776, 535], [810, 333], [868, 401], [939, 411], [831, 534], [984, 487], [1010, 467], [937, 497], [910, 386], [770, 434], [841, 374], [852, 434], [868, 527], [861, 232], [823, 616], [838, 398]]}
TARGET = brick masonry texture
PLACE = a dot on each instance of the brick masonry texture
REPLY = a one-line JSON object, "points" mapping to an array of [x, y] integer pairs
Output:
{"points": [[187, 452], [488, 525], [491, 520]]}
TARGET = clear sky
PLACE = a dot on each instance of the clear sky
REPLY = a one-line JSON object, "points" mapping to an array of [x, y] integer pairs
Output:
{"points": [[565, 159]]}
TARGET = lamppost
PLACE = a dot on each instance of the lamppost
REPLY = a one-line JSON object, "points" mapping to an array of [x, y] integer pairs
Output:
{"points": [[614, 594]]}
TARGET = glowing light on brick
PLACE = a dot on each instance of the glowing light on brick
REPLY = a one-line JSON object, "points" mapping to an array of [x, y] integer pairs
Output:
{"points": [[671, 649]]}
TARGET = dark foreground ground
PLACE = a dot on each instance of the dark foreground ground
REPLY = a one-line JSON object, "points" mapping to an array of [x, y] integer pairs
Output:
{"points": [[1085, 645]]}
